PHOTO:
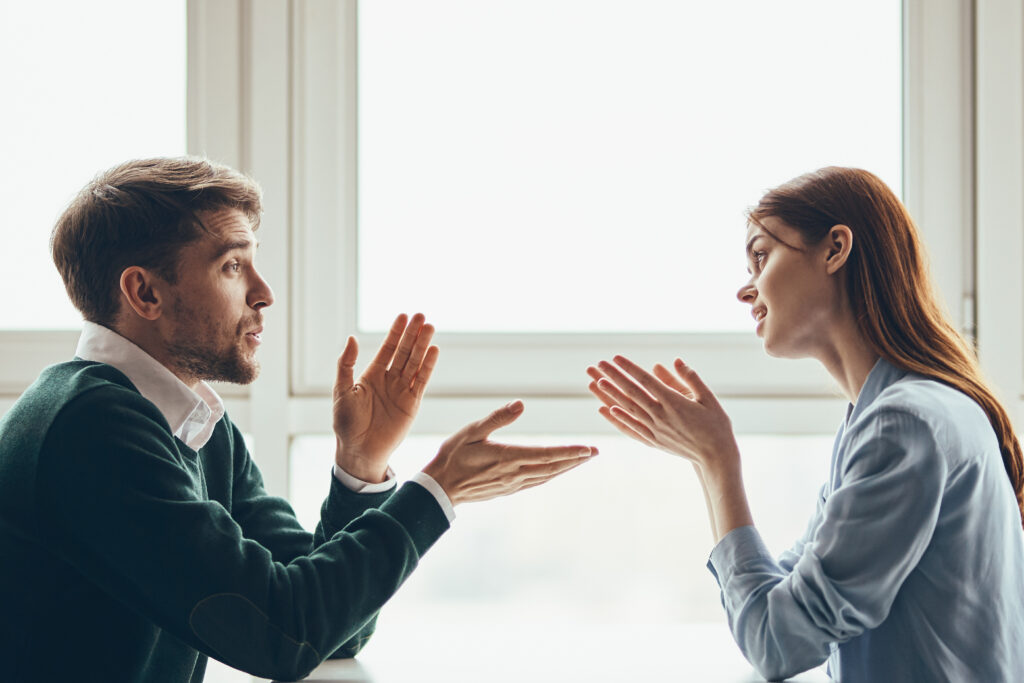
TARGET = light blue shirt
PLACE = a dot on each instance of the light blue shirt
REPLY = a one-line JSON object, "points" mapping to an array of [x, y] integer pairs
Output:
{"points": [[912, 567]]}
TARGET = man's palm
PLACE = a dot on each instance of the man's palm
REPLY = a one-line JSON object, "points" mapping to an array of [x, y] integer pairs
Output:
{"points": [[373, 415]]}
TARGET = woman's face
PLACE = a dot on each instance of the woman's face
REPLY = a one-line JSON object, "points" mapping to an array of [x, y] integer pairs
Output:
{"points": [[792, 297]]}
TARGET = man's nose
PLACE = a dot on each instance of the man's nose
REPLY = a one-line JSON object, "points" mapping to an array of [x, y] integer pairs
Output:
{"points": [[260, 295]]}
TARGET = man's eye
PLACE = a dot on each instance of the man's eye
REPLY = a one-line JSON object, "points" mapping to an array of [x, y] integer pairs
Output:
{"points": [[233, 267]]}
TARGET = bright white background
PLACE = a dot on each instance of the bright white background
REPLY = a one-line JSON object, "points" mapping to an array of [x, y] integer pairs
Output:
{"points": [[85, 85], [570, 166]]}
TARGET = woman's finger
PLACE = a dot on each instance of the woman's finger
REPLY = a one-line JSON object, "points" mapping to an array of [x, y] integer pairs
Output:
{"points": [[621, 400], [626, 385], [632, 422], [631, 433], [608, 399], [649, 382], [689, 376], [663, 373]]}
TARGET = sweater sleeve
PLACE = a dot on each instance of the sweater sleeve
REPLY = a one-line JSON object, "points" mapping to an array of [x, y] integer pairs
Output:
{"points": [[271, 522], [119, 502], [874, 529]]}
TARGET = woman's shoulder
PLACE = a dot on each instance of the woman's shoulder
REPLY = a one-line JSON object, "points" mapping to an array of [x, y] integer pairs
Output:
{"points": [[926, 397], [952, 419]]}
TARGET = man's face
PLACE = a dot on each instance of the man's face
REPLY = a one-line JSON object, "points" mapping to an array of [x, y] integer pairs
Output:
{"points": [[213, 318]]}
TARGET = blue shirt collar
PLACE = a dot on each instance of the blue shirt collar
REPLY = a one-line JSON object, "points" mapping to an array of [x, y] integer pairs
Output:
{"points": [[883, 375]]}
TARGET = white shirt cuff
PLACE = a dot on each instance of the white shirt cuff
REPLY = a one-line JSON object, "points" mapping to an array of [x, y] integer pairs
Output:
{"points": [[359, 486], [427, 482]]}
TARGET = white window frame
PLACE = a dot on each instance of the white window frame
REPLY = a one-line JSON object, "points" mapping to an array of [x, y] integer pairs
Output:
{"points": [[272, 89], [999, 217]]}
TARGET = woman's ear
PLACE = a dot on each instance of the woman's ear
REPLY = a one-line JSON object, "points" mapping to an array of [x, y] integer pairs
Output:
{"points": [[840, 242], [142, 291]]}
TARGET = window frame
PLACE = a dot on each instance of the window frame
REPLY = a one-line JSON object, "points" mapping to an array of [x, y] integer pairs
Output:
{"points": [[271, 90]]}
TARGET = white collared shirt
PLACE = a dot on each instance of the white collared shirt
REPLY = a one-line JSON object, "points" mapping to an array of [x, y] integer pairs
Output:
{"points": [[193, 415]]}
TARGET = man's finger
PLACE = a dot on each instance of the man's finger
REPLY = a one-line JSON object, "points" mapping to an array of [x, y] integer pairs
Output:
{"points": [[541, 473], [524, 456], [419, 382], [387, 349], [412, 330], [419, 351], [346, 366], [527, 477], [505, 415]]}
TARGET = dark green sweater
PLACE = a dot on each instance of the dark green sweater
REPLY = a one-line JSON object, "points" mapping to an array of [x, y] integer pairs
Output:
{"points": [[127, 556]]}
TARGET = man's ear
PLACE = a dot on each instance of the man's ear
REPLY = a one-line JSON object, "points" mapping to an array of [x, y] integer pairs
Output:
{"points": [[143, 291], [840, 242]]}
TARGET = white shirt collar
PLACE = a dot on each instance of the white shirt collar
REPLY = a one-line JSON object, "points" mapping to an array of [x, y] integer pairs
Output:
{"points": [[192, 415]]}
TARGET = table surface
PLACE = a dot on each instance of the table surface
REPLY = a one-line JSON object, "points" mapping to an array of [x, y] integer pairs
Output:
{"points": [[537, 653]]}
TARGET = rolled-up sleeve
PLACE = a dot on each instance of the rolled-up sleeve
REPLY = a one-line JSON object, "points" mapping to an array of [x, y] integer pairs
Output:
{"points": [[872, 531]]}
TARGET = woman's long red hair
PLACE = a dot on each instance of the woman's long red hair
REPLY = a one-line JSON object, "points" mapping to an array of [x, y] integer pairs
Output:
{"points": [[889, 288]]}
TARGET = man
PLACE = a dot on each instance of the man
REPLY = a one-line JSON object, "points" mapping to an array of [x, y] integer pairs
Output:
{"points": [[136, 538]]}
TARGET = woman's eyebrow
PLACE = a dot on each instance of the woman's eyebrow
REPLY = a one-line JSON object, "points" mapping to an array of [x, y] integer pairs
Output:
{"points": [[750, 243]]}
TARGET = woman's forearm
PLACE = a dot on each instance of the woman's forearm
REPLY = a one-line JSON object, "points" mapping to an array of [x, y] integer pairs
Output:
{"points": [[707, 501], [726, 498]]}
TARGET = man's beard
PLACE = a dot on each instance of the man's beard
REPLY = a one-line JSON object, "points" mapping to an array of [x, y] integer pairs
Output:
{"points": [[200, 361]]}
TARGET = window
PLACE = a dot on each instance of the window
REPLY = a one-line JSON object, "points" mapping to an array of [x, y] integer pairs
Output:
{"points": [[88, 85], [477, 159], [528, 289], [572, 167]]}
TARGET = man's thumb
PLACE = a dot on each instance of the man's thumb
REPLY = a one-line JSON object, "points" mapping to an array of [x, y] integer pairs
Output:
{"points": [[505, 415]]}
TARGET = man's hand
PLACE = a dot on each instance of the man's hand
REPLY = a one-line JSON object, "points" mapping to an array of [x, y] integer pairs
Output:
{"points": [[373, 415], [469, 467]]}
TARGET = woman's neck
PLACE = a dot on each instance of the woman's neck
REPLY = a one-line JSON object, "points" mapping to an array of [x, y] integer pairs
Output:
{"points": [[848, 358]]}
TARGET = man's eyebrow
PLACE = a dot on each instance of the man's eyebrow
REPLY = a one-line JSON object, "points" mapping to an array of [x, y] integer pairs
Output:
{"points": [[225, 247]]}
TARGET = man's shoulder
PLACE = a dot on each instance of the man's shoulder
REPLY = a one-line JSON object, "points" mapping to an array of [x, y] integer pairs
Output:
{"points": [[62, 384], [66, 381]]}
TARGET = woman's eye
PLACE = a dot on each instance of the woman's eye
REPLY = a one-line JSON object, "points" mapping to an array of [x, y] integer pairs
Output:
{"points": [[758, 257]]}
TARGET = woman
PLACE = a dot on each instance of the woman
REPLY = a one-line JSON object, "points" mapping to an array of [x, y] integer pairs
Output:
{"points": [[912, 568]]}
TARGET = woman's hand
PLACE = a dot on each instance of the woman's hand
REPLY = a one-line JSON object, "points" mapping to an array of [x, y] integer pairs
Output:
{"points": [[677, 413]]}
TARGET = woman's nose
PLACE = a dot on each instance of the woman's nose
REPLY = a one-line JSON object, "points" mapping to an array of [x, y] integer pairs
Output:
{"points": [[747, 293]]}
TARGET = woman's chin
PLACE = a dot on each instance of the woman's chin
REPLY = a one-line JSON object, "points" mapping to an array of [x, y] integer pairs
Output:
{"points": [[775, 349]]}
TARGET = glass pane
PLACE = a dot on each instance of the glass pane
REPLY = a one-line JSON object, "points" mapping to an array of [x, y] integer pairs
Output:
{"points": [[87, 85], [633, 519], [584, 165]]}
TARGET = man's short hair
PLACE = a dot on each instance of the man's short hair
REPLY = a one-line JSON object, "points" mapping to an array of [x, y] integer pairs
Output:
{"points": [[140, 213]]}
